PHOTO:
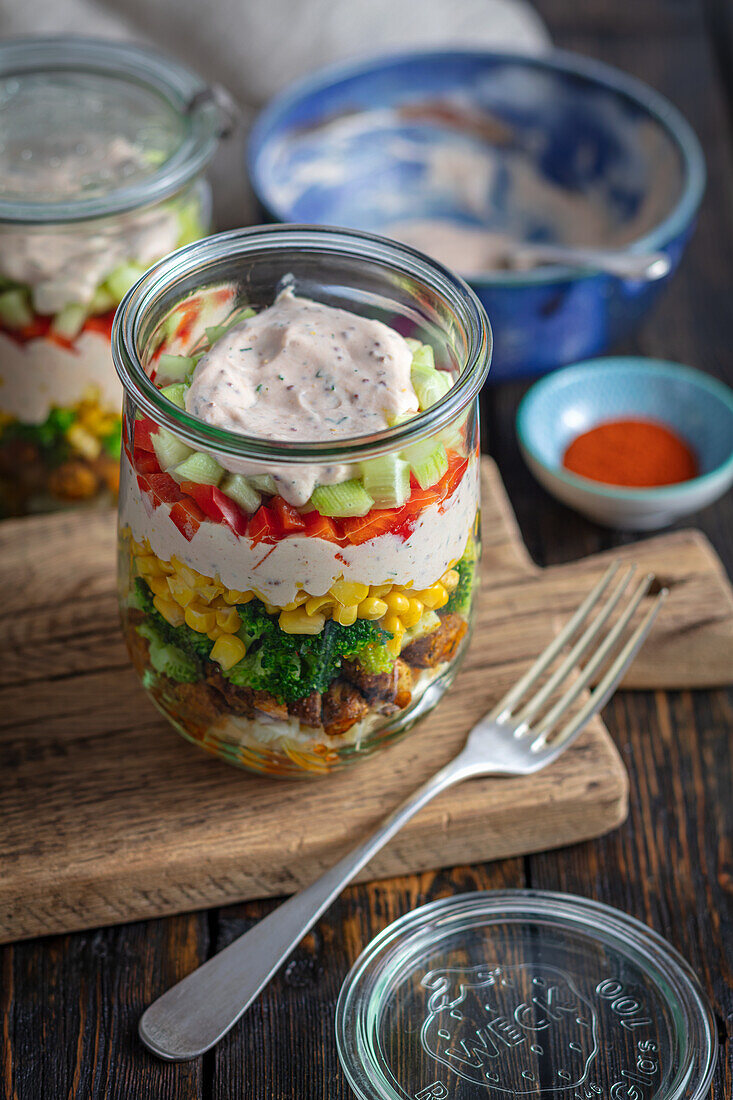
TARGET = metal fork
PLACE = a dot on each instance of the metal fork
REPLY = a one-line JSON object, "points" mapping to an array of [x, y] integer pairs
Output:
{"points": [[195, 1014]]}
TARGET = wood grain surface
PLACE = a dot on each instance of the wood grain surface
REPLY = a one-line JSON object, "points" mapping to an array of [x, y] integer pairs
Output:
{"points": [[70, 1003]]}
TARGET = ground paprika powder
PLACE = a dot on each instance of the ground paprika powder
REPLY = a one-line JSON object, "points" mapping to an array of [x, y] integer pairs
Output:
{"points": [[635, 453]]}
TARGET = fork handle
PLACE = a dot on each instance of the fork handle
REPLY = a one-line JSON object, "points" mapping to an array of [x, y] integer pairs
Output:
{"points": [[195, 1014]]}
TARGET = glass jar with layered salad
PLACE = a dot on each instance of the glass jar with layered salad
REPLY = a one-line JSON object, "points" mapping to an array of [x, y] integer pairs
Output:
{"points": [[299, 501], [102, 150]]}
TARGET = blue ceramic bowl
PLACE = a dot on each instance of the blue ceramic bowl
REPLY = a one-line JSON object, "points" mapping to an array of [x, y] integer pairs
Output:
{"points": [[697, 407], [355, 146]]}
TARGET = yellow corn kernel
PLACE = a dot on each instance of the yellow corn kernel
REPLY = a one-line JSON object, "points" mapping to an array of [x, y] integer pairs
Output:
{"points": [[396, 602], [299, 600], [187, 575], [314, 604], [170, 611], [200, 618], [433, 597], [181, 592], [216, 633], [346, 615], [371, 608], [233, 595], [349, 592], [414, 613], [208, 592], [394, 625], [148, 566], [450, 579], [228, 620], [159, 586], [380, 590], [300, 622], [227, 651]]}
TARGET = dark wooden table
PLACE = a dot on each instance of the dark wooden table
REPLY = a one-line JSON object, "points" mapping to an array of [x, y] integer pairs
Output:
{"points": [[71, 1003]]}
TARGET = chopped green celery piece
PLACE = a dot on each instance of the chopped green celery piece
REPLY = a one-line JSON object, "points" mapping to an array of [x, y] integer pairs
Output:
{"points": [[349, 498], [429, 384], [173, 368], [428, 462], [119, 281], [424, 625], [413, 344], [400, 418], [242, 492], [102, 301], [215, 332], [423, 357], [69, 322], [387, 480], [169, 449], [176, 393], [453, 437], [166, 658], [15, 310], [200, 468], [264, 483]]}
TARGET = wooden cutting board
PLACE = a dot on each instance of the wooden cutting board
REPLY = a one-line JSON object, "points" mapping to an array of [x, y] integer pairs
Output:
{"points": [[107, 815]]}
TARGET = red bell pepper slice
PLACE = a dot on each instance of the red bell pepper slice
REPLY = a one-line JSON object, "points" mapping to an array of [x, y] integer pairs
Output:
{"points": [[289, 519], [144, 430], [263, 526], [321, 527], [217, 506], [164, 488], [145, 462], [187, 517], [101, 322]]}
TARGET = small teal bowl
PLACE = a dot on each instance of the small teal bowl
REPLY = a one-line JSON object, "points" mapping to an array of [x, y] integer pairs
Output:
{"points": [[574, 400], [355, 145]]}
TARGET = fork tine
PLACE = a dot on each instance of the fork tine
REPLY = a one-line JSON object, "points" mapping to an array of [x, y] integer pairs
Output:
{"points": [[503, 707], [581, 647], [555, 713], [607, 684]]}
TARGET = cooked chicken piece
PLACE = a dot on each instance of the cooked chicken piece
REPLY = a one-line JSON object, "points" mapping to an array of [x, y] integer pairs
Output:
{"points": [[200, 705], [403, 694], [343, 707], [73, 480], [308, 710], [240, 700], [438, 646], [268, 704]]}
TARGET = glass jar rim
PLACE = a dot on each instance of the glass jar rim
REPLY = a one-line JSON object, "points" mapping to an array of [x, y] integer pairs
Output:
{"points": [[183, 91], [462, 301]]}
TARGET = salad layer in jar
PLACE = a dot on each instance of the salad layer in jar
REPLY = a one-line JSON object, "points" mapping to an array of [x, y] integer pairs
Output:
{"points": [[90, 196], [292, 618]]}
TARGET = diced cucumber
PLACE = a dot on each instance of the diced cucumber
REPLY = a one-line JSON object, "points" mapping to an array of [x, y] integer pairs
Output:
{"points": [[264, 483], [349, 498], [413, 344], [173, 368], [69, 322], [400, 418], [387, 480], [102, 301], [15, 310], [242, 492], [428, 462], [215, 332], [453, 437], [176, 394], [423, 357], [169, 449], [119, 281], [200, 468], [429, 384]]}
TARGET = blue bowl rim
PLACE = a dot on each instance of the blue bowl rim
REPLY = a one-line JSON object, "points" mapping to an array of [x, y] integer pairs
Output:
{"points": [[563, 61], [661, 367]]}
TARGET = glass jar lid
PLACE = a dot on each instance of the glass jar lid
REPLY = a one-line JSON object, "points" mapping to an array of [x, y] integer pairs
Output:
{"points": [[523, 993], [91, 128]]}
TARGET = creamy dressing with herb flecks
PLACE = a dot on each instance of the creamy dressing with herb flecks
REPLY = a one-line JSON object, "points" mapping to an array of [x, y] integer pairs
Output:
{"points": [[305, 372]]}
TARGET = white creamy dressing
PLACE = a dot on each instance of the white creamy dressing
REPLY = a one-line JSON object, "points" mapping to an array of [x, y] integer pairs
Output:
{"points": [[304, 371], [276, 572], [64, 264], [39, 375]]}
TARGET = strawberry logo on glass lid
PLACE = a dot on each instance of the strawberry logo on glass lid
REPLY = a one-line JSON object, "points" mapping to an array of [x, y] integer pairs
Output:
{"points": [[523, 1029]]}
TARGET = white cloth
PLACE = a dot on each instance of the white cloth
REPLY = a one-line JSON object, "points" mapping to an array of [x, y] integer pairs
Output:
{"points": [[254, 48]]}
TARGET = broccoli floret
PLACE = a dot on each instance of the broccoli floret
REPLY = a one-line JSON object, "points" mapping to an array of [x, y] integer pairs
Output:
{"points": [[375, 658], [195, 645], [291, 666], [460, 598], [168, 659]]}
